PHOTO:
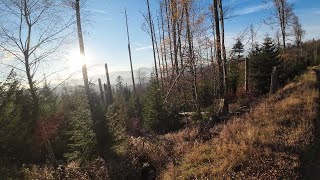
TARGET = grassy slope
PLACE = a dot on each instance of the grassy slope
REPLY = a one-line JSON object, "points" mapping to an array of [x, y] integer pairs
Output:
{"points": [[267, 143]]}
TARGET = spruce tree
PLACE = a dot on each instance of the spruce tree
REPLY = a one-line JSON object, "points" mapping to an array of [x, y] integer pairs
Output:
{"points": [[234, 70], [262, 62]]}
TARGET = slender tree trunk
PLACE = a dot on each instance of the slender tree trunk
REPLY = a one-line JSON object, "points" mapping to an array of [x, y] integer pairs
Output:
{"points": [[168, 16], [163, 41], [101, 93], [218, 45], [223, 48], [222, 69], [274, 81], [179, 37], [174, 31], [192, 60], [129, 50], [157, 49], [246, 75], [152, 39], [96, 113], [108, 91], [163, 75]]}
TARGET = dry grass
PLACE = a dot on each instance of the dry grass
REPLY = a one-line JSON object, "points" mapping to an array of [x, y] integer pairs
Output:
{"points": [[264, 144]]}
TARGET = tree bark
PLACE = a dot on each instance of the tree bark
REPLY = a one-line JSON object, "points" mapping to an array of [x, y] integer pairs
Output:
{"points": [[130, 57], [152, 39]]}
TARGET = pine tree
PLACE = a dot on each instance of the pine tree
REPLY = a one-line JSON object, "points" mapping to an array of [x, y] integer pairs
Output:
{"points": [[262, 62], [234, 70], [157, 117], [82, 140]]}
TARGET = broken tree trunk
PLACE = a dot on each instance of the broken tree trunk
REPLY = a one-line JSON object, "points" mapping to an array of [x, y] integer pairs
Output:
{"points": [[102, 97], [274, 81], [246, 75], [108, 90]]}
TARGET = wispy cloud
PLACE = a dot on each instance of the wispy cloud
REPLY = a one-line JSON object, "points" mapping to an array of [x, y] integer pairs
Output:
{"points": [[253, 9], [97, 11], [316, 11], [137, 44], [145, 48]]}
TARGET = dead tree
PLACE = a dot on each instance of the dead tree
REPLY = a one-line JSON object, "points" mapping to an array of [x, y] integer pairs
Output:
{"points": [[152, 39], [168, 16], [221, 65], [174, 34], [102, 95], [163, 41], [283, 14], [274, 81], [97, 113], [108, 90], [246, 75], [129, 50], [223, 48]]}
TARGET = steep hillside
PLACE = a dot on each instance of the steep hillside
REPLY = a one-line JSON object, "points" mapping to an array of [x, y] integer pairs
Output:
{"points": [[272, 141]]}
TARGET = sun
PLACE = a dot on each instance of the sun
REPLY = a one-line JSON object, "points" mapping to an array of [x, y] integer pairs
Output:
{"points": [[75, 60]]}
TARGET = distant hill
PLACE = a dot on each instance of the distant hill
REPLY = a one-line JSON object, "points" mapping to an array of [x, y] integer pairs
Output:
{"points": [[126, 76]]}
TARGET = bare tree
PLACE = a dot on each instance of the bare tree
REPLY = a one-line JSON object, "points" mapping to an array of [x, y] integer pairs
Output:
{"points": [[129, 50], [31, 31], [221, 63], [142, 77], [153, 42], [282, 16], [298, 32]]}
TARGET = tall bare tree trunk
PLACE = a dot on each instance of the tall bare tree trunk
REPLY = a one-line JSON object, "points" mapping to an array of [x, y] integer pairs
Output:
{"points": [[102, 95], [246, 75], [174, 36], [163, 41], [218, 45], [96, 112], [157, 49], [223, 48], [222, 69], [192, 60], [168, 16], [129, 50], [162, 69], [152, 39], [108, 90]]}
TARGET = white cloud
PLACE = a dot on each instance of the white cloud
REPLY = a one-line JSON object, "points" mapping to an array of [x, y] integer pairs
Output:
{"points": [[145, 48], [253, 9], [137, 44], [97, 11]]}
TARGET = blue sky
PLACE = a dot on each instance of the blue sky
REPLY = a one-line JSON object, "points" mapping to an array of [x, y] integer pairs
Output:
{"points": [[105, 37]]}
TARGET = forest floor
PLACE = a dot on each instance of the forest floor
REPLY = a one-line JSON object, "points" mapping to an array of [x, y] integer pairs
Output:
{"points": [[277, 139], [312, 159]]}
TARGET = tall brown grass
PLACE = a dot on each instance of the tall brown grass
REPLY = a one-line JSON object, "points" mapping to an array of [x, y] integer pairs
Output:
{"points": [[265, 144]]}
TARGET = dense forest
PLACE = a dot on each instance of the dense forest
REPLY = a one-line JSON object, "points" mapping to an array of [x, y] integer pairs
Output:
{"points": [[206, 112]]}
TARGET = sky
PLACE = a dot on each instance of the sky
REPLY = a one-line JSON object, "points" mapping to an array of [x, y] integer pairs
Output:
{"points": [[105, 37], [106, 42]]}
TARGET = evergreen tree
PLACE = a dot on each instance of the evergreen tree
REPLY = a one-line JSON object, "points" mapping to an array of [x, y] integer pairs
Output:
{"points": [[82, 140], [155, 114], [237, 49], [262, 62], [234, 70], [16, 123]]}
